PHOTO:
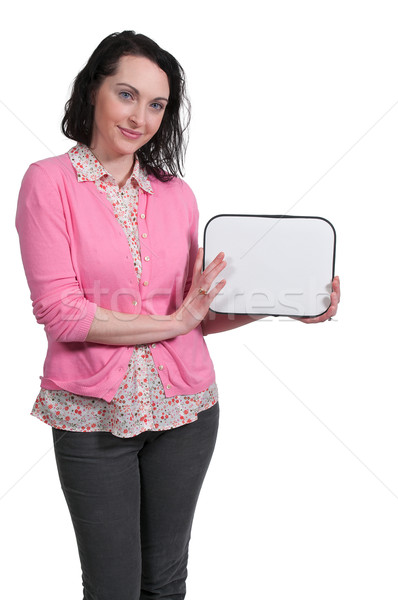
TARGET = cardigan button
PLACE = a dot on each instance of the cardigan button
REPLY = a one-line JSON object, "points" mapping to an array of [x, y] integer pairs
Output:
{"points": [[160, 367], [144, 235], [168, 386], [135, 302], [146, 283], [153, 345], [142, 215], [146, 258]]}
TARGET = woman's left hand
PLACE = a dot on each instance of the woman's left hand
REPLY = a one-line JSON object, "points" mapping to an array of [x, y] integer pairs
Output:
{"points": [[332, 310]]}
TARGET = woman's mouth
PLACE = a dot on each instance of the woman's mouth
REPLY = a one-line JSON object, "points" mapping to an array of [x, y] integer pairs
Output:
{"points": [[129, 133]]}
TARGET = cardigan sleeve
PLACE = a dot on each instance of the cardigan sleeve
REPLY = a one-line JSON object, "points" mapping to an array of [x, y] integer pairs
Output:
{"points": [[57, 299], [193, 237]]}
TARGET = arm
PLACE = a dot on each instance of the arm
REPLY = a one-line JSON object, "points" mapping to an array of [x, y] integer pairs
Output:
{"points": [[216, 323], [122, 329], [57, 299], [110, 327]]}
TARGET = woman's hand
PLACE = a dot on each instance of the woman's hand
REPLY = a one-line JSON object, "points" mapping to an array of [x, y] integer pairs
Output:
{"points": [[196, 305], [332, 310]]}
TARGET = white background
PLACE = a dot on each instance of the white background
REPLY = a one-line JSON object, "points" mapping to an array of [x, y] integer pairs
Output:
{"points": [[295, 110]]}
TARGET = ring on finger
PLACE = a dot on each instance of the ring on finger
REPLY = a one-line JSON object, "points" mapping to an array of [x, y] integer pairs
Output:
{"points": [[202, 292]]}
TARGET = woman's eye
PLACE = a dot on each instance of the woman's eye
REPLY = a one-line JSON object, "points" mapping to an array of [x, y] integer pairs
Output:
{"points": [[157, 105], [125, 95]]}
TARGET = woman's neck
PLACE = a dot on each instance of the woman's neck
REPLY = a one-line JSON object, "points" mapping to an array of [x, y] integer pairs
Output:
{"points": [[119, 167]]}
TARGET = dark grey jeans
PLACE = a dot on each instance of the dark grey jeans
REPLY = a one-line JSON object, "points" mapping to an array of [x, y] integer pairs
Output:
{"points": [[132, 502]]}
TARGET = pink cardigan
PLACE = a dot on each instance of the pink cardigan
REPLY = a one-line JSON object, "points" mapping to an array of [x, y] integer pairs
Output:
{"points": [[76, 257]]}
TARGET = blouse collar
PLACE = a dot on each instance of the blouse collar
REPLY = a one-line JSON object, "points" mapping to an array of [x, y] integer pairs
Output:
{"points": [[88, 167]]}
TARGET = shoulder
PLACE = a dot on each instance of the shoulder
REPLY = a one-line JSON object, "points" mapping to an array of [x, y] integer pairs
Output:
{"points": [[55, 168], [46, 182]]}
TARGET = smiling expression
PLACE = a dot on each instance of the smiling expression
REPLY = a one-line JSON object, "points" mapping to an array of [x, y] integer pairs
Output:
{"points": [[129, 107]]}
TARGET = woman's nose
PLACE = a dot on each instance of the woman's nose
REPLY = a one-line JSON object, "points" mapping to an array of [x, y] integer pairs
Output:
{"points": [[137, 115]]}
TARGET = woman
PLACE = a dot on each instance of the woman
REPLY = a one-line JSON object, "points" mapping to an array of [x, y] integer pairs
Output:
{"points": [[109, 241]]}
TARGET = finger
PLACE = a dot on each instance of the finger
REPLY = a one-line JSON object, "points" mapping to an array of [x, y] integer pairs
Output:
{"points": [[207, 279], [336, 287], [197, 270], [216, 290], [199, 304], [334, 300], [331, 311], [214, 264]]}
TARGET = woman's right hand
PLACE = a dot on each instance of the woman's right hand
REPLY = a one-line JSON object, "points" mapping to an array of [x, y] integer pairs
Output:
{"points": [[195, 305]]}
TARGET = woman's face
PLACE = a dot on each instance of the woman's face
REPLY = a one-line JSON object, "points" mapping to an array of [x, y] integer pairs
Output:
{"points": [[129, 107]]}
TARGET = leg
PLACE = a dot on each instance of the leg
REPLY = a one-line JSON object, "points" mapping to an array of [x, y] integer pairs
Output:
{"points": [[99, 476], [173, 467]]}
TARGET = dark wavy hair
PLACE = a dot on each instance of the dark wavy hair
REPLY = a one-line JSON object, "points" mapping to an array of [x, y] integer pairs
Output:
{"points": [[163, 156]]}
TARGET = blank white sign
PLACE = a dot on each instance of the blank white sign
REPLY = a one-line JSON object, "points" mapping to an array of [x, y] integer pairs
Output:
{"points": [[276, 264]]}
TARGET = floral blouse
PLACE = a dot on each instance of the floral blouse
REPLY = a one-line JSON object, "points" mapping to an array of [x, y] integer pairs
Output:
{"points": [[139, 403]]}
